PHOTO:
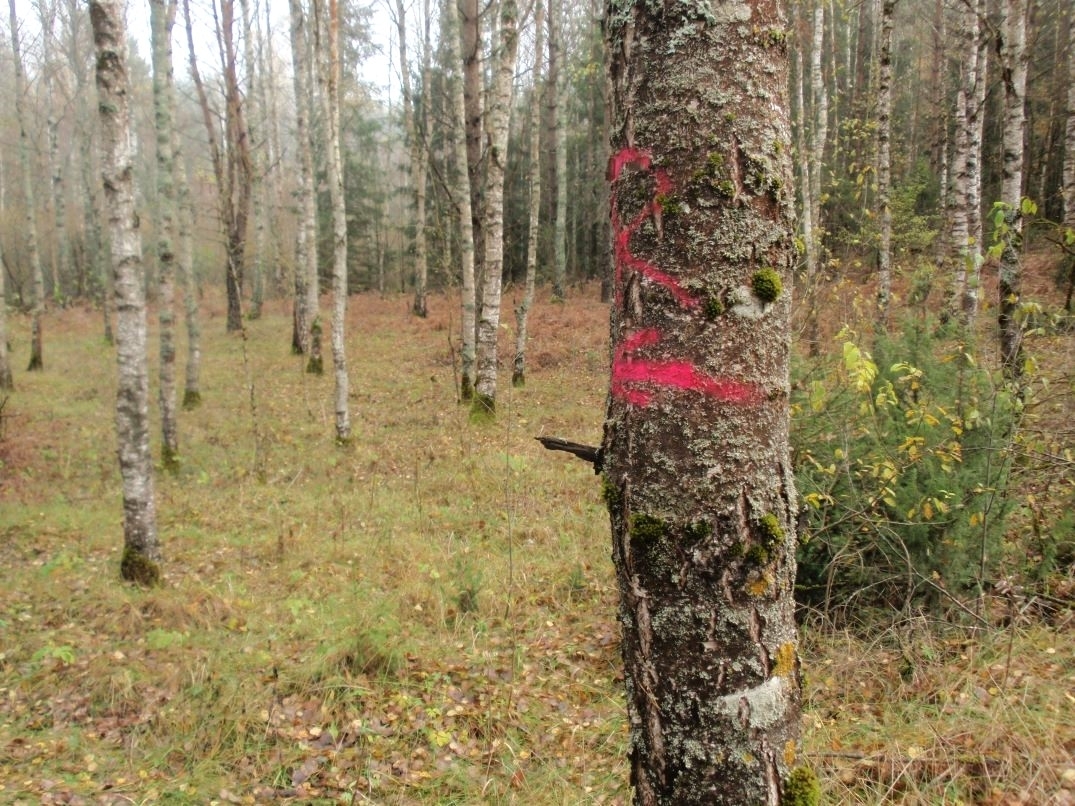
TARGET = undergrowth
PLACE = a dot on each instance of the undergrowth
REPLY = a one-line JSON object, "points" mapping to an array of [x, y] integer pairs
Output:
{"points": [[428, 616]]}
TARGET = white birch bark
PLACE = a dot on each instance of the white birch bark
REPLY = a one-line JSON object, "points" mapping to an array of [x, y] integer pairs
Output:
{"points": [[7, 383], [141, 556], [329, 75], [256, 127], [559, 276], [33, 252], [461, 195], [518, 375], [60, 263], [1069, 137], [306, 282], [884, 161], [1013, 58], [162, 18], [498, 120]]}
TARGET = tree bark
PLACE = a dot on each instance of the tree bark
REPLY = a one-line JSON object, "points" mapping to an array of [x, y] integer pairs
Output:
{"points": [[473, 87], [698, 479], [33, 253], [498, 119], [61, 252], [1013, 57], [559, 144], [141, 554], [7, 382], [329, 74], [884, 163], [462, 197], [162, 18], [518, 375], [306, 281], [256, 132]]}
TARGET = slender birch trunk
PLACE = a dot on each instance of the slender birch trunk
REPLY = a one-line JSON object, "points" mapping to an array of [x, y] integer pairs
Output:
{"points": [[60, 247], [976, 128], [473, 100], [7, 382], [192, 386], [518, 375], [697, 474], [1069, 164], [419, 152], [884, 162], [329, 75], [462, 198], [141, 553], [162, 20], [1013, 58], [306, 282], [559, 271], [33, 253], [498, 120], [806, 218], [257, 126]]}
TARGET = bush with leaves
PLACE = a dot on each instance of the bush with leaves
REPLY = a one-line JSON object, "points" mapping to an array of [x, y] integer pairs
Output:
{"points": [[902, 461]]}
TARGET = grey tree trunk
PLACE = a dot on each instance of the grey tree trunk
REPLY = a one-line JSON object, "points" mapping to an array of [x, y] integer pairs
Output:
{"points": [[1069, 164], [558, 115], [884, 162], [497, 123], [258, 125], [162, 19], [1013, 58], [141, 553], [306, 282], [60, 249], [461, 196], [518, 374], [33, 253], [473, 87], [7, 382], [192, 386], [698, 479], [329, 75]]}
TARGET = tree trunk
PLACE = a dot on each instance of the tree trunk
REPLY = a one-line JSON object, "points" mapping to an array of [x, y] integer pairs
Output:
{"points": [[496, 161], [141, 553], [1013, 58], [698, 479], [192, 388], [462, 197], [7, 383], [256, 132], [1069, 163], [162, 18], [473, 87], [60, 254], [884, 163], [518, 375], [33, 253], [329, 74], [306, 281], [559, 146]]}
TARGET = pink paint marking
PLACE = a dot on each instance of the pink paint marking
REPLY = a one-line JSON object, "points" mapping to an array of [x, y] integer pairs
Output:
{"points": [[622, 234], [628, 374]]}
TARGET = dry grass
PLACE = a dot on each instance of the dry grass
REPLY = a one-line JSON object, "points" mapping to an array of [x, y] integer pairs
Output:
{"points": [[427, 616]]}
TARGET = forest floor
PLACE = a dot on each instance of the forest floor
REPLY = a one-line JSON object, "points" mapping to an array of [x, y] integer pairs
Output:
{"points": [[426, 616]]}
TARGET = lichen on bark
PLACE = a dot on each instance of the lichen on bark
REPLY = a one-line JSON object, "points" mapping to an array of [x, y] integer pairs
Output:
{"points": [[697, 474]]}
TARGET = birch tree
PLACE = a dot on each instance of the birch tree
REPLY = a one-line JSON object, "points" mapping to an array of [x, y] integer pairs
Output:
{"points": [[497, 122], [141, 553], [695, 456], [1069, 164], [559, 145], [522, 312], [306, 282], [461, 195], [7, 383], [33, 253], [1013, 57], [328, 26], [162, 20], [60, 262], [884, 161]]}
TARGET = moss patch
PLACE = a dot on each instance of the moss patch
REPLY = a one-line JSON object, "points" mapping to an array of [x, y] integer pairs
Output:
{"points": [[647, 528], [802, 788], [136, 567], [767, 285]]}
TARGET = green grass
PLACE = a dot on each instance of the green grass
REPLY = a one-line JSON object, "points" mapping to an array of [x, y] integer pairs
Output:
{"points": [[426, 616]]}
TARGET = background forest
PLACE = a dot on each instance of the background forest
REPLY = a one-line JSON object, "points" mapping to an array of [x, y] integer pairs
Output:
{"points": [[375, 594]]}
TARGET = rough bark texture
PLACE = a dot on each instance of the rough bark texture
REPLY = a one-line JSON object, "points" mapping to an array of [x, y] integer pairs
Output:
{"points": [[518, 373], [162, 18], [473, 85], [1069, 139], [884, 162], [257, 127], [697, 476], [461, 196], [141, 554], [1013, 74], [496, 159], [33, 253]]}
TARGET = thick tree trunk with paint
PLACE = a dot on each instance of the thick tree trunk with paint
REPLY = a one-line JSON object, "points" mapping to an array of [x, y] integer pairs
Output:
{"points": [[498, 119], [461, 196], [1013, 57], [518, 374], [33, 253], [306, 282], [162, 18], [141, 553], [884, 163], [329, 75], [698, 479]]}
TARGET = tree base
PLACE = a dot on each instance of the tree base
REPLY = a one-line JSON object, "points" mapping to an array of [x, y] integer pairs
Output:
{"points": [[191, 400], [137, 568]]}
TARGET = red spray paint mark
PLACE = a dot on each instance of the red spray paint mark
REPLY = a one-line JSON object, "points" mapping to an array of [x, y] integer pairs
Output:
{"points": [[633, 378]]}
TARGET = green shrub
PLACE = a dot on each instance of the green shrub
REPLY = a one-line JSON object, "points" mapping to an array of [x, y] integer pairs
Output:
{"points": [[901, 463]]}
